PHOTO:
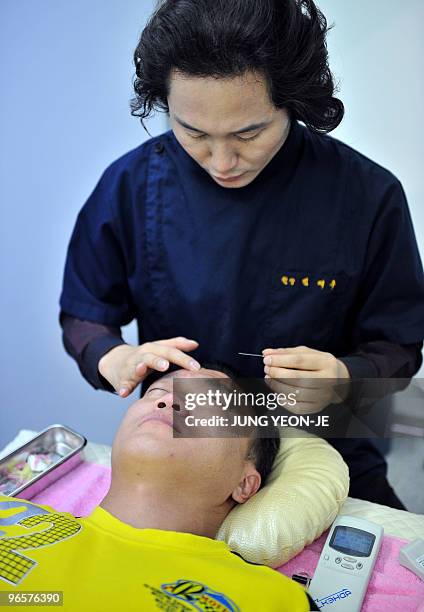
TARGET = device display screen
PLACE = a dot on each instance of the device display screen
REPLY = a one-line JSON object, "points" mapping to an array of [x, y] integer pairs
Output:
{"points": [[352, 541]]}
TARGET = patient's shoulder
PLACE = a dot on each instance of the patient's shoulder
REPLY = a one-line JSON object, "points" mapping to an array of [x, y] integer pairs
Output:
{"points": [[233, 552], [274, 583]]}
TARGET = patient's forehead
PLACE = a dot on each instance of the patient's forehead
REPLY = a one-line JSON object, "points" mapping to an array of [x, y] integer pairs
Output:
{"points": [[202, 373]]}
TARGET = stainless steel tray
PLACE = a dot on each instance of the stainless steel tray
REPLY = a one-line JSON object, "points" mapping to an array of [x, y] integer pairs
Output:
{"points": [[64, 449]]}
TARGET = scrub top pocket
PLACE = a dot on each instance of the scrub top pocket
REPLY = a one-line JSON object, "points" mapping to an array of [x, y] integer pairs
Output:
{"points": [[303, 308]]}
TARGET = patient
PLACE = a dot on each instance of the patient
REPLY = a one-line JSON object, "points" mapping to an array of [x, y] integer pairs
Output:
{"points": [[150, 546]]}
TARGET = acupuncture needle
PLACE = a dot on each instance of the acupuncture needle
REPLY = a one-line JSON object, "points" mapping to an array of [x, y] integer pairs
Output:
{"points": [[251, 354]]}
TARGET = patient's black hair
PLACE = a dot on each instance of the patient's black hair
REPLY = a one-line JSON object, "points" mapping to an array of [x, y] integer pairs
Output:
{"points": [[283, 40], [263, 450]]}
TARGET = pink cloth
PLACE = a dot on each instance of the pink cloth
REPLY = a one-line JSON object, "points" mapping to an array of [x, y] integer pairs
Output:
{"points": [[392, 588], [79, 491]]}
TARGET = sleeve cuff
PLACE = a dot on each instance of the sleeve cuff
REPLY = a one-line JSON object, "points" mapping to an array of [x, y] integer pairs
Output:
{"points": [[359, 367], [91, 356]]}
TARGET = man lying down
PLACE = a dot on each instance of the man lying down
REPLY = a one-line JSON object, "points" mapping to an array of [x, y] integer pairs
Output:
{"points": [[149, 545]]}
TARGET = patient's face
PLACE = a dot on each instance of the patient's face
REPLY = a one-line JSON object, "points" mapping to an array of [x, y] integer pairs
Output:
{"points": [[145, 444]]}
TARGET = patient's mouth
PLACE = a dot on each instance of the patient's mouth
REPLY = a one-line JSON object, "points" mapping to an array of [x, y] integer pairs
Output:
{"points": [[159, 418]]}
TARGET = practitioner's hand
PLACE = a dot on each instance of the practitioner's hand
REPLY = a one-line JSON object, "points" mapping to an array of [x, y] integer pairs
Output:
{"points": [[125, 366], [318, 377]]}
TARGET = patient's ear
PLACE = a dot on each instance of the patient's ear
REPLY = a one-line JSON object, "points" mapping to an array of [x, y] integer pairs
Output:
{"points": [[248, 486]]}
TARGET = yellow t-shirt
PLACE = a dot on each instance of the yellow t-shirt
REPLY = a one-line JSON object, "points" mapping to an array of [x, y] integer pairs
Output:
{"points": [[103, 564]]}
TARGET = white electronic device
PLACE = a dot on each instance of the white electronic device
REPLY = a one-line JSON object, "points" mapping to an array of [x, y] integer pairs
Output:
{"points": [[346, 563], [412, 557]]}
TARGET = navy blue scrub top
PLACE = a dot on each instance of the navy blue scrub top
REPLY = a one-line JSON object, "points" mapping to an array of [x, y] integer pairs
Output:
{"points": [[319, 250]]}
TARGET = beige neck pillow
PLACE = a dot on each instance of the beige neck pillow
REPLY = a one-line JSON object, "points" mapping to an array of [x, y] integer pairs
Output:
{"points": [[304, 492]]}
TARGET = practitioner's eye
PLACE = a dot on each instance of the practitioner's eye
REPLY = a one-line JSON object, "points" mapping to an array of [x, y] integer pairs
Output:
{"points": [[196, 135], [249, 137]]}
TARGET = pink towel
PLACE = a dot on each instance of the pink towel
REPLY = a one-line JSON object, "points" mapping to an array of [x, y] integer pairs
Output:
{"points": [[392, 588], [79, 491]]}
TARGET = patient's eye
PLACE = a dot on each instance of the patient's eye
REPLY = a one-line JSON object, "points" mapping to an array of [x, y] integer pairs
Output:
{"points": [[158, 390]]}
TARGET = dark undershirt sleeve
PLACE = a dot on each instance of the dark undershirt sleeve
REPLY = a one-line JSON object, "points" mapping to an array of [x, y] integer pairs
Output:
{"points": [[396, 363], [381, 359], [86, 342]]}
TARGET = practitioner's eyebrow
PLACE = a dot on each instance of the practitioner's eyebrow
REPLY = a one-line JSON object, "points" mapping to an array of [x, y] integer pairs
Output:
{"points": [[248, 128]]}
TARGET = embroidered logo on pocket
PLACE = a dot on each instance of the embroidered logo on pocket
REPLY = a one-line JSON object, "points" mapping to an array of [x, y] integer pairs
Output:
{"points": [[306, 281]]}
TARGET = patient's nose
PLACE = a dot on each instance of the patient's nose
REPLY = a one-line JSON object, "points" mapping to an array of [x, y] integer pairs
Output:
{"points": [[174, 405], [169, 400]]}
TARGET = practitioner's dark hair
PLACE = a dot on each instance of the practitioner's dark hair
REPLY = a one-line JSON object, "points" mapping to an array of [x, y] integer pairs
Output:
{"points": [[263, 450], [284, 40]]}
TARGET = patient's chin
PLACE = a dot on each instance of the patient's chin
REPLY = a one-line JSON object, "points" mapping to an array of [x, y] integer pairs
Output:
{"points": [[152, 443]]}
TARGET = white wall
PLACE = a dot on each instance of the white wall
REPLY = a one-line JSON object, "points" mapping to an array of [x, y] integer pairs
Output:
{"points": [[65, 77], [377, 52]]}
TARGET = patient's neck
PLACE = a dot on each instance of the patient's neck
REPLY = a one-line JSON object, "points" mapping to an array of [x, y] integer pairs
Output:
{"points": [[164, 505]]}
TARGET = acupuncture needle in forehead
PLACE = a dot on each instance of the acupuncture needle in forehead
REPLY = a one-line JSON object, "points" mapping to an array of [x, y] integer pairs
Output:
{"points": [[250, 354]]}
